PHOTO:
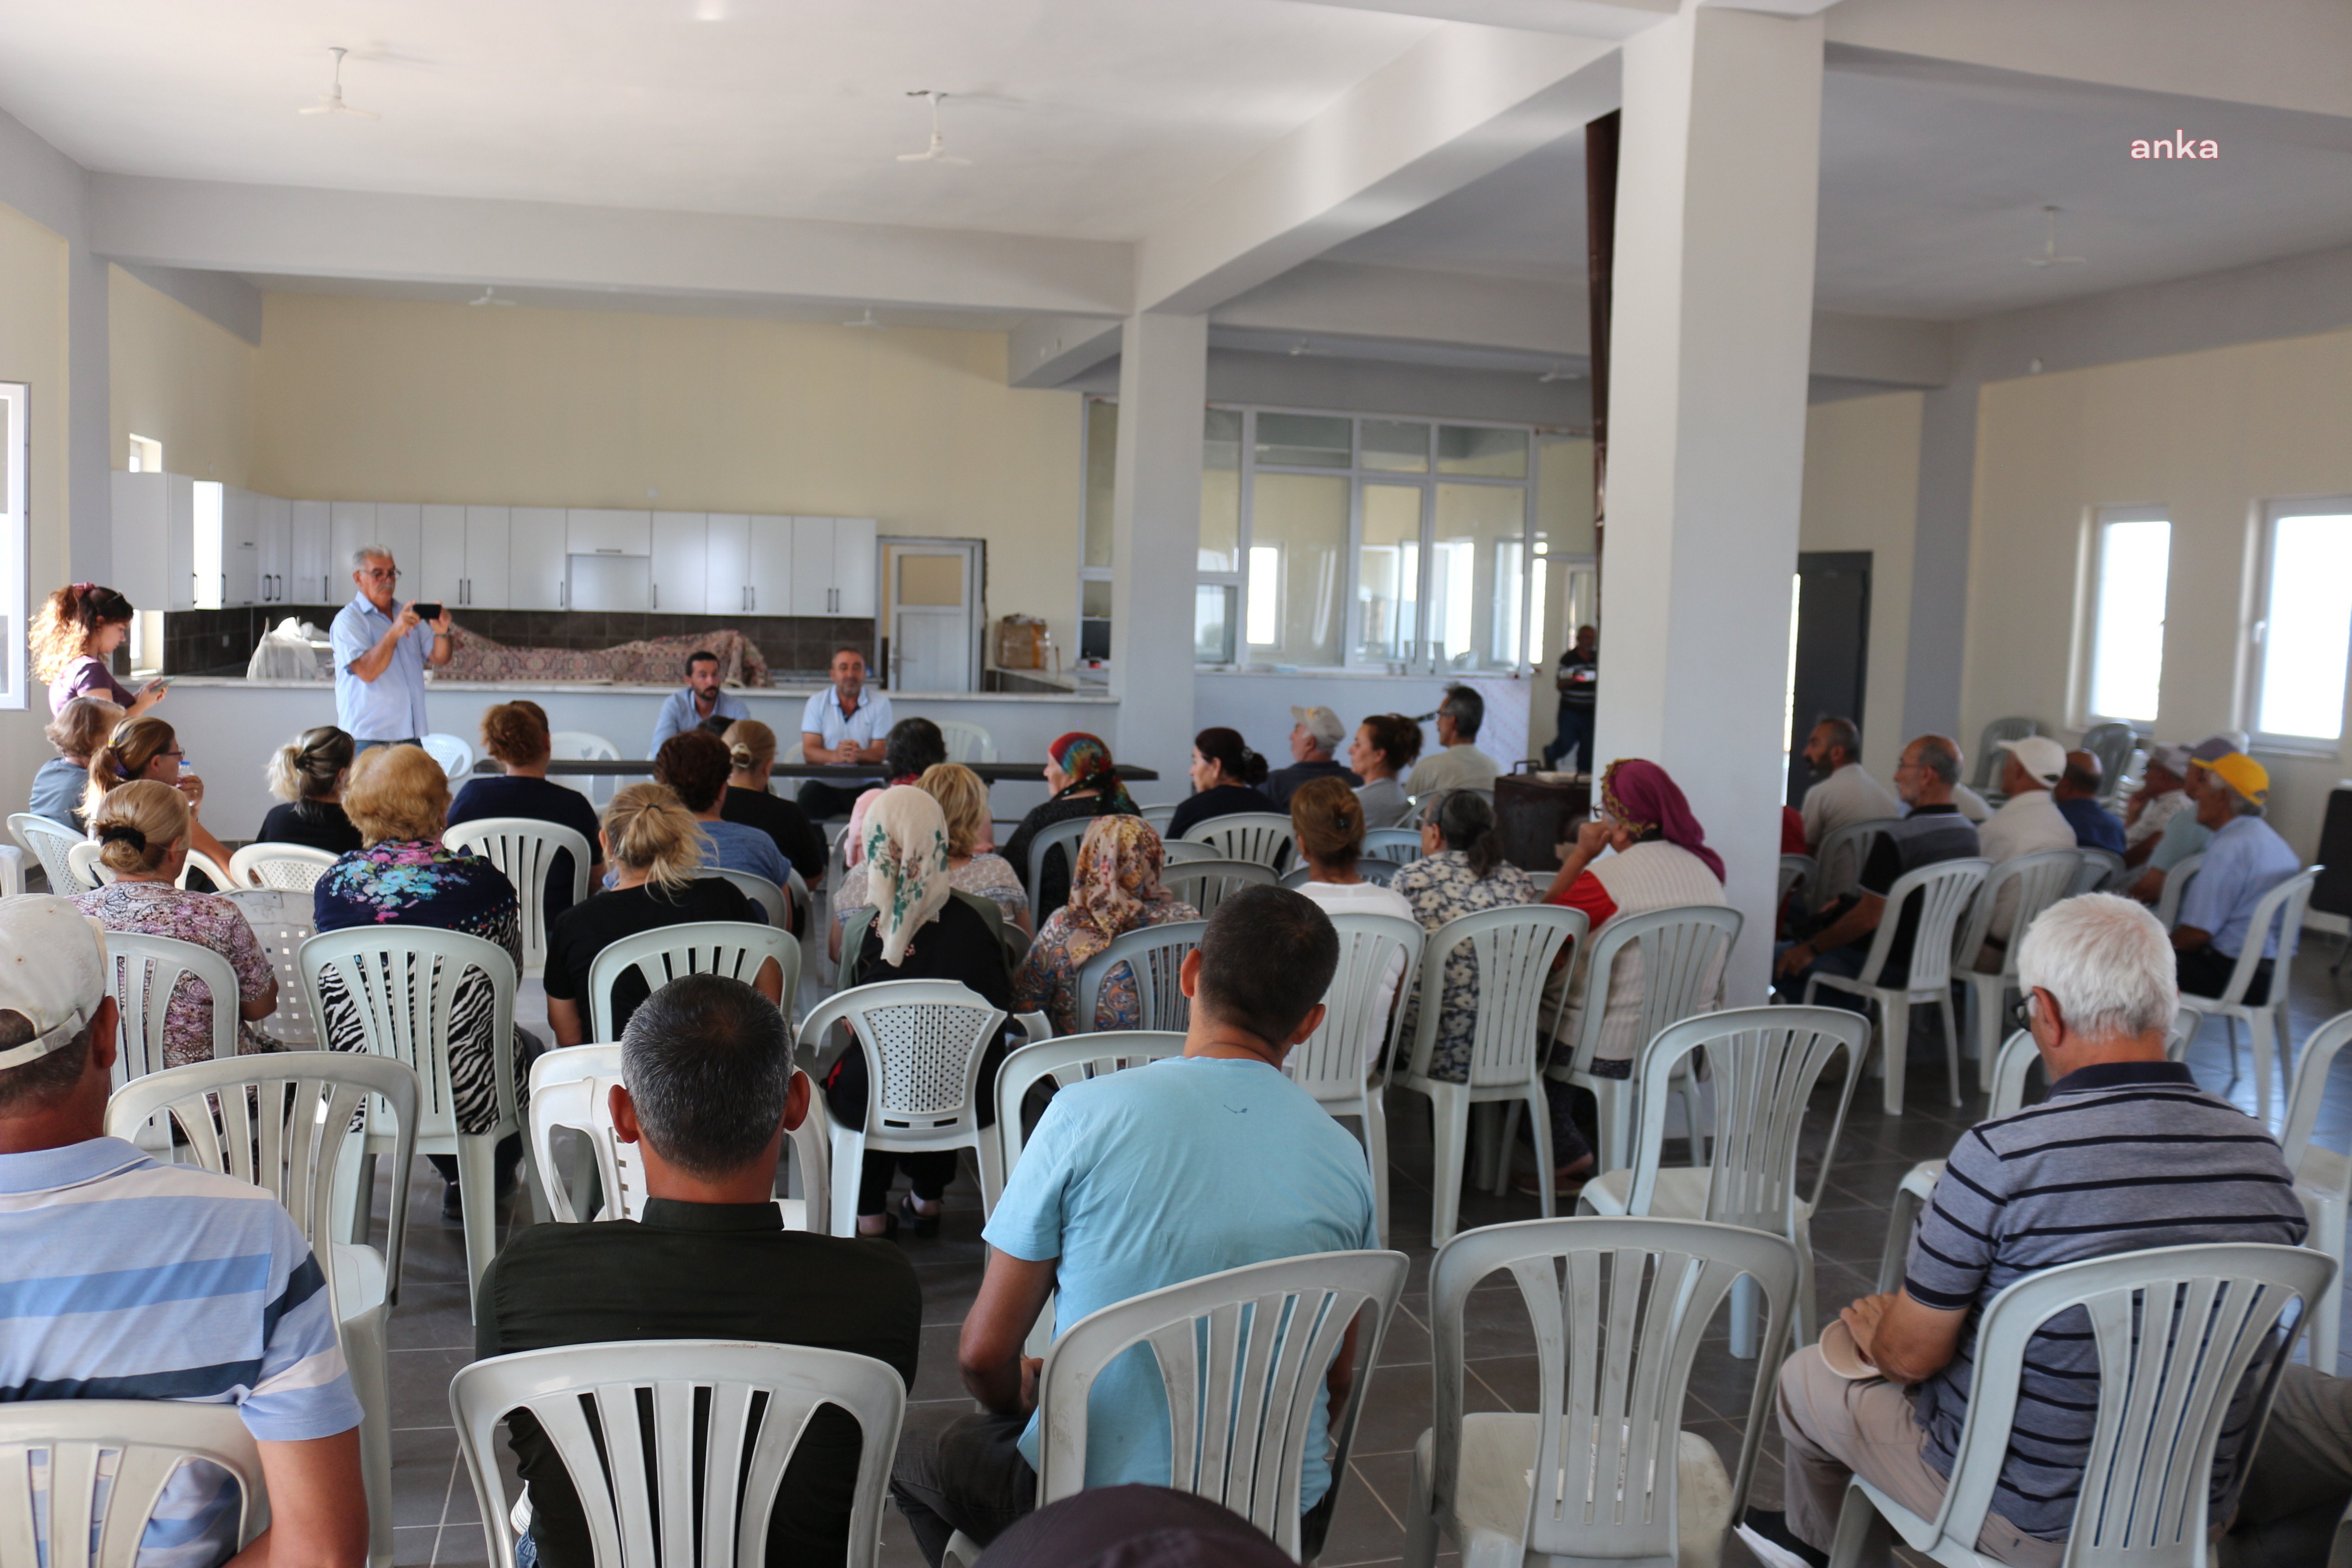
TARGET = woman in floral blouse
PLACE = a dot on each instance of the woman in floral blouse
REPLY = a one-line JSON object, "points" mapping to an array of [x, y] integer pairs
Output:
{"points": [[1113, 889], [1461, 872], [398, 797], [143, 827]]}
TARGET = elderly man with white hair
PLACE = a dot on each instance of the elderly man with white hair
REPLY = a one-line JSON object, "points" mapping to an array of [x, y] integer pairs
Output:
{"points": [[2126, 1153]]}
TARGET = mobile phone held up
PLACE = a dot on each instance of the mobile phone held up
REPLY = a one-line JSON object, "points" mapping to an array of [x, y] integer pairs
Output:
{"points": [[427, 612]]}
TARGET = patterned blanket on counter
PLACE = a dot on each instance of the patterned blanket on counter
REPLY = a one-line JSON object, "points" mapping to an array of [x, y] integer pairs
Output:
{"points": [[656, 661]]}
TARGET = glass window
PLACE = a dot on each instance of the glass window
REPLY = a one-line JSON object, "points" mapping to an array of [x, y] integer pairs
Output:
{"points": [[1094, 597], [1298, 531], [1395, 447], [2307, 627], [1102, 467], [1304, 440], [146, 455], [1477, 575], [1480, 451], [1388, 574], [1220, 491], [1212, 622], [2132, 559]]}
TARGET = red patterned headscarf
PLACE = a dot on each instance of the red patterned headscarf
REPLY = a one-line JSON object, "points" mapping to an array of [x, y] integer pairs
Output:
{"points": [[1641, 796]]}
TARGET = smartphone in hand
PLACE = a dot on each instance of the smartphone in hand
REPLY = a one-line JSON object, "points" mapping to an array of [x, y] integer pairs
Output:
{"points": [[427, 612]]}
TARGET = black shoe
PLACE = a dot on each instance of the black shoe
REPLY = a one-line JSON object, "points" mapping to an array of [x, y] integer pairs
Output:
{"points": [[922, 1224], [1774, 1528], [453, 1209]]}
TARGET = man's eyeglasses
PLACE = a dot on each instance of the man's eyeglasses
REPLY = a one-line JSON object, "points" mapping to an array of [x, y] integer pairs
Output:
{"points": [[378, 576]]}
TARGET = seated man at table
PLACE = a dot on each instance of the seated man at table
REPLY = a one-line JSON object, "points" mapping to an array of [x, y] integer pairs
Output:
{"points": [[707, 1092], [1142, 1179], [701, 705], [2245, 859], [845, 724], [2126, 1153]]}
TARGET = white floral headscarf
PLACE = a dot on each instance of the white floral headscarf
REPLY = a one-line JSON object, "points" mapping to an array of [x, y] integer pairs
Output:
{"points": [[906, 843]]}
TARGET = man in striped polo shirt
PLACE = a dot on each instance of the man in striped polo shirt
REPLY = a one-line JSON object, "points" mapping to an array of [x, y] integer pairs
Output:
{"points": [[2126, 1153], [124, 1278]]}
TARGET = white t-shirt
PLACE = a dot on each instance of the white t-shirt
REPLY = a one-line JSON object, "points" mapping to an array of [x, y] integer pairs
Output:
{"points": [[1366, 898]]}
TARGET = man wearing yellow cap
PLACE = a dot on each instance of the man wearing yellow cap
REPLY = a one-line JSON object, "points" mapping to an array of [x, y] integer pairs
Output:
{"points": [[2245, 859]]}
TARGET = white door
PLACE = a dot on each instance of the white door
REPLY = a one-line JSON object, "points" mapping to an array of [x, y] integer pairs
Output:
{"points": [[934, 611], [140, 554], [812, 586], [311, 557], [535, 562], [727, 564], [853, 567], [240, 546], [438, 575], [274, 521], [775, 566], [353, 525], [680, 544], [487, 558]]}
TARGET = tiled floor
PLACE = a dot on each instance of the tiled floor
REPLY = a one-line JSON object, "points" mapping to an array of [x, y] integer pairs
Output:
{"points": [[437, 1522]]}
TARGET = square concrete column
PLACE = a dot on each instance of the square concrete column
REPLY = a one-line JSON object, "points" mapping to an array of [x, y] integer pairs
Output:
{"points": [[1163, 386], [1710, 328]]}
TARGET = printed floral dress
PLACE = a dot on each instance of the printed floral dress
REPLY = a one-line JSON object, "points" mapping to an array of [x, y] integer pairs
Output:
{"points": [[159, 909], [1441, 888]]}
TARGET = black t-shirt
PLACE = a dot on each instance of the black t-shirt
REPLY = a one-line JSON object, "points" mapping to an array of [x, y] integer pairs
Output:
{"points": [[1282, 783], [797, 839], [315, 824], [587, 930], [714, 1271], [959, 945], [1929, 836], [536, 800], [1225, 800]]}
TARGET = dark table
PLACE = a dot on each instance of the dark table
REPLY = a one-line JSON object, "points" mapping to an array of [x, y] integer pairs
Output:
{"points": [[851, 772]]}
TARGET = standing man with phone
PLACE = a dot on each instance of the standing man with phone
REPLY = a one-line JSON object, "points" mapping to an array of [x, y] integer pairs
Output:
{"points": [[844, 725], [381, 648]]}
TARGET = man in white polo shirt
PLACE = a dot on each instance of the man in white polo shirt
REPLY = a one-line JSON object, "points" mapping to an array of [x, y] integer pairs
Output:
{"points": [[2028, 822], [845, 724]]}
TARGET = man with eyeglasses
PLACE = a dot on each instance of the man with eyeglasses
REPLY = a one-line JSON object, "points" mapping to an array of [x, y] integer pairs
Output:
{"points": [[382, 647]]}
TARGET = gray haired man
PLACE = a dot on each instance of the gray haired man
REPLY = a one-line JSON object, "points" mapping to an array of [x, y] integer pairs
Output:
{"points": [[381, 648]]}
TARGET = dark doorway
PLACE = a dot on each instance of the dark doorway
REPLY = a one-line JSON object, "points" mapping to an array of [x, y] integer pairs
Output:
{"points": [[1832, 649]]}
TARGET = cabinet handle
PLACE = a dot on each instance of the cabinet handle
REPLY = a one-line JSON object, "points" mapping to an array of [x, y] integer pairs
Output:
{"points": [[656, 605]]}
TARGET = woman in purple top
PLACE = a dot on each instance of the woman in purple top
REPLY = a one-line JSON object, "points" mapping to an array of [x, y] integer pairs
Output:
{"points": [[74, 636]]}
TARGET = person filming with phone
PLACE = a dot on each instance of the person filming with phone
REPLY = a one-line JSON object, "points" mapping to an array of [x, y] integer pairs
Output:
{"points": [[382, 647]]}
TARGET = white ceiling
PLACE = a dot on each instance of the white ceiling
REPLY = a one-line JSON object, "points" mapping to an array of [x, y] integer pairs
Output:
{"points": [[1085, 119]]}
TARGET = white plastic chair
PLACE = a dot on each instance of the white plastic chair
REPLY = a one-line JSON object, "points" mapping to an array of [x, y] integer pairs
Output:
{"points": [[47, 842], [134, 1445], [85, 871], [2146, 1481], [1260, 835], [2007, 1091], [524, 849], [733, 948], [1988, 753], [146, 971], [1514, 948], [200, 862], [1152, 954], [2098, 869], [580, 746], [1943, 891], [1242, 1356], [698, 1484], [281, 1123], [2042, 878], [1796, 871], [401, 984], [2267, 1023], [2186, 1023], [1064, 835], [12, 870], [296, 868], [454, 753], [1678, 957], [1839, 858], [1071, 1059], [1400, 845], [1763, 1063], [1179, 851], [280, 919], [772, 899], [967, 743], [2176, 887], [1335, 1063], [1158, 816], [2323, 1178], [571, 1089], [924, 1042], [1205, 884], [1613, 1478]]}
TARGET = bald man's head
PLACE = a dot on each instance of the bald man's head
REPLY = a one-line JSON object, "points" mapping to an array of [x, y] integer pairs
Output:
{"points": [[2081, 780]]}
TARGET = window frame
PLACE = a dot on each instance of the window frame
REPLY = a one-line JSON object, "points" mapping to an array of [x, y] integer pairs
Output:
{"points": [[2086, 617], [15, 543], [2256, 637]]}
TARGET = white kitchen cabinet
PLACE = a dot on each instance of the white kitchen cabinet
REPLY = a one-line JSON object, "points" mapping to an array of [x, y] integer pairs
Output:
{"points": [[274, 524], [155, 540], [600, 532], [488, 558], [240, 547], [773, 564], [352, 525], [311, 559], [812, 567], [438, 575], [399, 528], [853, 567], [727, 564], [832, 566], [535, 558], [680, 563]]}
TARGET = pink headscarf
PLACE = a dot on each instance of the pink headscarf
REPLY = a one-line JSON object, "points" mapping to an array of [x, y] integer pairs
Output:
{"points": [[1640, 794]]}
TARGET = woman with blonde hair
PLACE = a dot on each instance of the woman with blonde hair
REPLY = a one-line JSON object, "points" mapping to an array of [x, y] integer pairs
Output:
{"points": [[143, 830], [81, 728], [307, 774], [73, 635], [147, 748], [657, 850], [1113, 889], [516, 735], [752, 760], [963, 800]]}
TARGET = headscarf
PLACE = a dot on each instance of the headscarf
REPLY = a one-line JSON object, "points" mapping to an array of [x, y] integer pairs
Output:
{"points": [[1087, 761], [1640, 794], [905, 866], [1117, 874]]}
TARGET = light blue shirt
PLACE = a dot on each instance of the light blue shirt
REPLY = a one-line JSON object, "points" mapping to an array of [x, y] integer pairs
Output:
{"points": [[679, 714], [2183, 835], [57, 792], [822, 717], [737, 847], [1149, 1177], [392, 706], [2245, 859]]}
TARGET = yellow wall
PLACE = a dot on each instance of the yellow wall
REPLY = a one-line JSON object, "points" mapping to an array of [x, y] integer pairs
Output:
{"points": [[179, 379], [2209, 435], [1861, 492], [32, 351], [360, 399]]}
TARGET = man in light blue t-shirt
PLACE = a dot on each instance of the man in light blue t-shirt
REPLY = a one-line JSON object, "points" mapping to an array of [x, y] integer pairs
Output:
{"points": [[1144, 1179]]}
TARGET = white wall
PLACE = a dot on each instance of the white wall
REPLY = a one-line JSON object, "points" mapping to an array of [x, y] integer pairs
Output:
{"points": [[1861, 491]]}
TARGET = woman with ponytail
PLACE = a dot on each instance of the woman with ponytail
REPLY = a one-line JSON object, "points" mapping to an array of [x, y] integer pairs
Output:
{"points": [[143, 830], [73, 636], [1225, 778], [751, 757], [1461, 871], [516, 735], [150, 749], [307, 774], [1079, 772]]}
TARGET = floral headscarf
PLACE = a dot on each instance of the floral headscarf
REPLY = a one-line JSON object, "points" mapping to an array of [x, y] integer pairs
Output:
{"points": [[905, 866], [1117, 874], [1087, 761], [1641, 796]]}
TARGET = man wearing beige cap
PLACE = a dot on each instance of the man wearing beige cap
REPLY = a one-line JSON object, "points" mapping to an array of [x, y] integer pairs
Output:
{"points": [[1314, 735], [2029, 821], [160, 1282], [2245, 859]]}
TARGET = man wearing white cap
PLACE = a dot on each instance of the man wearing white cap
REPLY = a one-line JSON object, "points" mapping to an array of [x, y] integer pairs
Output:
{"points": [[161, 1282], [1314, 735], [2028, 822], [2159, 798]]}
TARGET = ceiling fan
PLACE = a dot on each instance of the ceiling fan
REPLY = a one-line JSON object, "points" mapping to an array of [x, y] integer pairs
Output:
{"points": [[2049, 257], [333, 102], [937, 153], [489, 296], [867, 320]]}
